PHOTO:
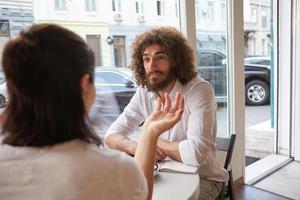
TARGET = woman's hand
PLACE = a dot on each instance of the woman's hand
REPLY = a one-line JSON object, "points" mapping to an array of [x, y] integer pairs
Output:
{"points": [[164, 116]]}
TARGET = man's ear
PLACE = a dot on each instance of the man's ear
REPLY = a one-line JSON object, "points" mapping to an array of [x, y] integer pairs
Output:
{"points": [[84, 82]]}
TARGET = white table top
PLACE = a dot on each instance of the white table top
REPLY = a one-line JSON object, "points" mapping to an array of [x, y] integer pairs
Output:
{"points": [[175, 186]]}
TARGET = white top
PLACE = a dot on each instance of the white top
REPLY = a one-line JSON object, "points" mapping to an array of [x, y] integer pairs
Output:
{"points": [[196, 130], [72, 170]]}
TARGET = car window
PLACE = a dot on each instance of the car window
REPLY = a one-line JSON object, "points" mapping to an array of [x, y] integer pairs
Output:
{"points": [[109, 77], [210, 59], [258, 61]]}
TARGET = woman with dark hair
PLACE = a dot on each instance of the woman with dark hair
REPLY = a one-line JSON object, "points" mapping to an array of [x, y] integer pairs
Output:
{"points": [[47, 149]]}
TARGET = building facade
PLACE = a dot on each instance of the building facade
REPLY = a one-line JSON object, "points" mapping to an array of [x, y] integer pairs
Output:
{"points": [[257, 27], [88, 18]]}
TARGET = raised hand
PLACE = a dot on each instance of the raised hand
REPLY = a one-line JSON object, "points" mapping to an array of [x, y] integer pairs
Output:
{"points": [[164, 116]]}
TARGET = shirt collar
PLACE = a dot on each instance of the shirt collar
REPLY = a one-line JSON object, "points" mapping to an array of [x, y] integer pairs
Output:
{"points": [[177, 88]]}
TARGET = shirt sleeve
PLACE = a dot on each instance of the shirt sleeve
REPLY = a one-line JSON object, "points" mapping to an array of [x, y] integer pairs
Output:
{"points": [[200, 143], [130, 118], [132, 180]]}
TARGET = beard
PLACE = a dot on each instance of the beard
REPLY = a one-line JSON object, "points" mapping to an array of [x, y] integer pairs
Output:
{"points": [[154, 84]]}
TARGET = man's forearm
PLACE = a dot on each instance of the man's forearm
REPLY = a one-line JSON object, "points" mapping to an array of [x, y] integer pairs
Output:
{"points": [[121, 142], [170, 148]]}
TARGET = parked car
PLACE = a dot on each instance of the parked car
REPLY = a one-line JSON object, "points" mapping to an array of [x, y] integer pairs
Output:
{"points": [[212, 67], [118, 81], [257, 80]]}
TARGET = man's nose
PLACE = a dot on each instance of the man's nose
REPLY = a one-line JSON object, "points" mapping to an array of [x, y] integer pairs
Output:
{"points": [[152, 63]]}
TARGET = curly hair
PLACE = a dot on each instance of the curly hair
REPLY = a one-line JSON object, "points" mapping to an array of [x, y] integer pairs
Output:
{"points": [[174, 44]]}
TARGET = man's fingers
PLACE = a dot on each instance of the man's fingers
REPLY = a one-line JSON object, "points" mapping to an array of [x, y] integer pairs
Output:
{"points": [[181, 102], [159, 104], [158, 157], [161, 152], [176, 103]]}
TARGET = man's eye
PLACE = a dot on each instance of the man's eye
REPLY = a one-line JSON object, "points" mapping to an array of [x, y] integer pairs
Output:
{"points": [[161, 57], [146, 59]]}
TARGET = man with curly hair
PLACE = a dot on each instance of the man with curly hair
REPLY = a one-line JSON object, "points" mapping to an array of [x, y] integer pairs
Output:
{"points": [[163, 62]]}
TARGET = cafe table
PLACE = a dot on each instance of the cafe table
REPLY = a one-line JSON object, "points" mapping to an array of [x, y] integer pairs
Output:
{"points": [[175, 186]]}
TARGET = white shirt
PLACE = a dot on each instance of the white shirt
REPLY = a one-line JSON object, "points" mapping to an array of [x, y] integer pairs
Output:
{"points": [[196, 130], [72, 170]]}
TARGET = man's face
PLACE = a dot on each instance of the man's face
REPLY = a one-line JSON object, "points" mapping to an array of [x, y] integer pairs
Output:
{"points": [[158, 68]]}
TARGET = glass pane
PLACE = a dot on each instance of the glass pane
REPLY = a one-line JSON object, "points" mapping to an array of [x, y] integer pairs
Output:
{"points": [[211, 27], [259, 114]]}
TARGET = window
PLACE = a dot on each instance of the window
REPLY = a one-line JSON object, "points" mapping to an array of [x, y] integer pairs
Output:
{"points": [[223, 12], [119, 51], [254, 46], [197, 11], [259, 61], [160, 8], [253, 14], [263, 41], [139, 7], [4, 27], [113, 5], [210, 10], [60, 5], [176, 8], [90, 5], [116, 5], [263, 18], [212, 55]]}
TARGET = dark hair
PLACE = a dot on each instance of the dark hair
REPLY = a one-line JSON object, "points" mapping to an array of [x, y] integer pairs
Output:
{"points": [[43, 68], [174, 44]]}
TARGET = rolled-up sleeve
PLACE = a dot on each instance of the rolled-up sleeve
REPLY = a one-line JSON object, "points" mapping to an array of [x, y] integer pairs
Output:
{"points": [[201, 132], [130, 118]]}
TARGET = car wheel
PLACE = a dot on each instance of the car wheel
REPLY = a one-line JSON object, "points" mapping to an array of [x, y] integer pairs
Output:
{"points": [[257, 93], [2, 101]]}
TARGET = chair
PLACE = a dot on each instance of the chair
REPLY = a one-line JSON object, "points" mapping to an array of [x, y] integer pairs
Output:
{"points": [[225, 144]]}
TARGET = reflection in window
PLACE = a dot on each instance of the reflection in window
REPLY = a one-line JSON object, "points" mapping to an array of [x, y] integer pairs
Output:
{"points": [[90, 5], [60, 4]]}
